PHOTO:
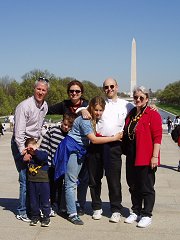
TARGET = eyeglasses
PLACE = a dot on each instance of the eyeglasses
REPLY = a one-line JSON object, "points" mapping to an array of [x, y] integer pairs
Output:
{"points": [[76, 91], [141, 98], [43, 79], [109, 86]]}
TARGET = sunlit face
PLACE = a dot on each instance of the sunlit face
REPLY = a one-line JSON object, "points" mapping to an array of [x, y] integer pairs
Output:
{"points": [[40, 91], [66, 125], [110, 88], [140, 99], [75, 92], [97, 112]]}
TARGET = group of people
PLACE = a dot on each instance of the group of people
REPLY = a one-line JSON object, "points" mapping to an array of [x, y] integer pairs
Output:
{"points": [[171, 124], [90, 141]]}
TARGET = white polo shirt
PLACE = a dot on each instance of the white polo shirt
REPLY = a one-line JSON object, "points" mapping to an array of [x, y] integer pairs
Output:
{"points": [[113, 118]]}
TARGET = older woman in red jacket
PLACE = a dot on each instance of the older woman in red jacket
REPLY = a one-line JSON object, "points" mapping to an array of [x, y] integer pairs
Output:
{"points": [[142, 139]]}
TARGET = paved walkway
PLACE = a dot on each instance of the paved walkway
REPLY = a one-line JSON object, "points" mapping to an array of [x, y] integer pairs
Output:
{"points": [[166, 218]]}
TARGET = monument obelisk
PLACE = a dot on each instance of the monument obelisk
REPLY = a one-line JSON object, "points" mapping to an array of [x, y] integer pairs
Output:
{"points": [[133, 67]]}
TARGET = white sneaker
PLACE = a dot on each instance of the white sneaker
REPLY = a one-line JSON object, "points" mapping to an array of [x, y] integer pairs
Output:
{"points": [[144, 222], [23, 217], [52, 213], [132, 218], [97, 214], [115, 218]]}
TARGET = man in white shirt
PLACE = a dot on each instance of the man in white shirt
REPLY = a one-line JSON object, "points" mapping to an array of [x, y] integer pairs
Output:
{"points": [[28, 120], [108, 156]]}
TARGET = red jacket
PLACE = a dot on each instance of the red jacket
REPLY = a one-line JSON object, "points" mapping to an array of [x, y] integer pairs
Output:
{"points": [[148, 131]]}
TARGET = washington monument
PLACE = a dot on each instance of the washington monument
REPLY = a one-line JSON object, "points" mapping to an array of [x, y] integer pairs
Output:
{"points": [[133, 67]]}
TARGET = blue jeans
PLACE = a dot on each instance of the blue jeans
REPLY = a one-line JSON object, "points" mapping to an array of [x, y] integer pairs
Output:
{"points": [[71, 177], [21, 168]]}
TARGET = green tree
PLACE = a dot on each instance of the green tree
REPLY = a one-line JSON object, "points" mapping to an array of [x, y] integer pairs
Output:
{"points": [[171, 94]]}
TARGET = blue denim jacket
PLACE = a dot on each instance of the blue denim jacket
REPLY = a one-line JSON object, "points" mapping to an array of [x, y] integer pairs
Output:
{"points": [[67, 146]]}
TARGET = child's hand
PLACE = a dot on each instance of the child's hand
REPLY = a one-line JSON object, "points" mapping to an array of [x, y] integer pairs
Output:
{"points": [[118, 136], [24, 151], [27, 157]]}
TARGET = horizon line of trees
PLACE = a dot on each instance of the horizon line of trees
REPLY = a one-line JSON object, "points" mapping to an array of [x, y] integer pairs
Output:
{"points": [[13, 92]]}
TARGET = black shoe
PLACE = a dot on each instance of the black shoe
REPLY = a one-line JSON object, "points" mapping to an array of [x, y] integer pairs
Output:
{"points": [[75, 220], [34, 221], [63, 214], [80, 211], [45, 222]]}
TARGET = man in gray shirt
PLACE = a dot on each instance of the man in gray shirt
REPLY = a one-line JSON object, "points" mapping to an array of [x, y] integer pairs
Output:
{"points": [[28, 120]]}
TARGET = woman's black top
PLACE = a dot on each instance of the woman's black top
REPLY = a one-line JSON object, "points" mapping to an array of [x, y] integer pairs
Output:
{"points": [[66, 106]]}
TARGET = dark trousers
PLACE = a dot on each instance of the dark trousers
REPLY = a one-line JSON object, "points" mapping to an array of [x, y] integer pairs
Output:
{"points": [[39, 193], [83, 181], [141, 180], [55, 188], [105, 157]]}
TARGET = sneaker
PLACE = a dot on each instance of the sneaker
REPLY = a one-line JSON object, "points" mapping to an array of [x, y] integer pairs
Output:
{"points": [[80, 211], [97, 214], [75, 219], [45, 222], [41, 214], [144, 222], [115, 218], [23, 217], [52, 213], [34, 221], [132, 218]]}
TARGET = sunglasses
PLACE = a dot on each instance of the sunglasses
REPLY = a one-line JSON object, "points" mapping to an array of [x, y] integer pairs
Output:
{"points": [[43, 79], [109, 86], [76, 91], [136, 98]]}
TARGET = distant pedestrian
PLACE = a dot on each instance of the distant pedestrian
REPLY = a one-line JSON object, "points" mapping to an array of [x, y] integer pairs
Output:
{"points": [[164, 120], [11, 122], [1, 129], [169, 124], [176, 121], [179, 147]]}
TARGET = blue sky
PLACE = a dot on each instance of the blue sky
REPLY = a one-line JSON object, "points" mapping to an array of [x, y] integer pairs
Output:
{"points": [[91, 39]]}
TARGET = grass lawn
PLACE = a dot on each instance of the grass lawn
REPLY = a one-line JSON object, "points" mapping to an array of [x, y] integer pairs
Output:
{"points": [[54, 118], [170, 108]]}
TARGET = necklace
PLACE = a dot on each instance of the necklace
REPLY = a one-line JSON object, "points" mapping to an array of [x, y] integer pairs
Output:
{"points": [[133, 123]]}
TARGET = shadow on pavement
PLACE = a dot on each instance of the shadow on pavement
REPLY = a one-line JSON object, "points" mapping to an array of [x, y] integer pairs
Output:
{"points": [[169, 167], [9, 204], [106, 210]]}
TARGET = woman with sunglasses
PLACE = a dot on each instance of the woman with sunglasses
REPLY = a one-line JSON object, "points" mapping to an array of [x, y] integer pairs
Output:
{"points": [[75, 90], [142, 139]]}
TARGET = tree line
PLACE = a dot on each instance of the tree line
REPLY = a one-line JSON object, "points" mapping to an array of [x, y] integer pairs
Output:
{"points": [[170, 94], [13, 92]]}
